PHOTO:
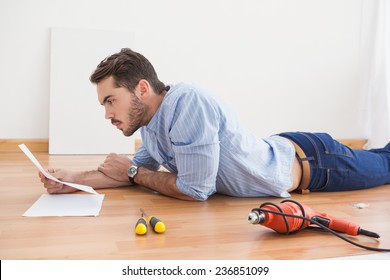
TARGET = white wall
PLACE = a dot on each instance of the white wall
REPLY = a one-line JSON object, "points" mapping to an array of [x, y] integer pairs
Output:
{"points": [[284, 65]]}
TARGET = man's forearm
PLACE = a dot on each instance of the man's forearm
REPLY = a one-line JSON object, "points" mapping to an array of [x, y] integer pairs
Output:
{"points": [[98, 180], [162, 182]]}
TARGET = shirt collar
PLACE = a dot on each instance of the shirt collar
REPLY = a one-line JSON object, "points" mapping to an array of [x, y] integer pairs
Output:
{"points": [[153, 123]]}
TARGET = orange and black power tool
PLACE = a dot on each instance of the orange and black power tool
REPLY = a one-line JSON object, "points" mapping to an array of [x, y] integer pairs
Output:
{"points": [[290, 216]]}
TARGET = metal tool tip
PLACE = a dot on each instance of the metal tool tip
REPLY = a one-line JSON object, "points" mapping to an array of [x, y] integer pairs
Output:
{"points": [[368, 233]]}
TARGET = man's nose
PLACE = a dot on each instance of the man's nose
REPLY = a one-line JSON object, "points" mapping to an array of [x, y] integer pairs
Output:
{"points": [[109, 114]]}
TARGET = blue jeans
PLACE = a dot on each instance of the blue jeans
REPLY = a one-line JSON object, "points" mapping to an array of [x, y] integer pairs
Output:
{"points": [[336, 167]]}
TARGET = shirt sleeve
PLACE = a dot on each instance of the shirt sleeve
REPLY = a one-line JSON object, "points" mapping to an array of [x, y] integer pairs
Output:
{"points": [[142, 158], [195, 142]]}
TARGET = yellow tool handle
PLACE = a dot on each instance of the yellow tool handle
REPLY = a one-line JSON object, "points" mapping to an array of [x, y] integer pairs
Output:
{"points": [[157, 225], [141, 227]]}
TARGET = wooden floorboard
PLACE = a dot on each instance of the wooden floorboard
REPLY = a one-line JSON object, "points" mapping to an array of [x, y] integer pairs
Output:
{"points": [[213, 230]]}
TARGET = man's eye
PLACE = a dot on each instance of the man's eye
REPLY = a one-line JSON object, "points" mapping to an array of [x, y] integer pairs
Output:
{"points": [[110, 102]]}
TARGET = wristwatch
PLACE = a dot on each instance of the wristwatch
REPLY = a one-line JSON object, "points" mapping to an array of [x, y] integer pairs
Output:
{"points": [[132, 172]]}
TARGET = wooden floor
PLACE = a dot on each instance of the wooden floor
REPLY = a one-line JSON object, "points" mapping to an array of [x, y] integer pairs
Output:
{"points": [[215, 230]]}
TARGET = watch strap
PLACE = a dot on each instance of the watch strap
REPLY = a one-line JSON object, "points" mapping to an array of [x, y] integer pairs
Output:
{"points": [[132, 181]]}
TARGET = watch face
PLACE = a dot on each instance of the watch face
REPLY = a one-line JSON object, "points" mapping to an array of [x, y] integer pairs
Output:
{"points": [[132, 171]]}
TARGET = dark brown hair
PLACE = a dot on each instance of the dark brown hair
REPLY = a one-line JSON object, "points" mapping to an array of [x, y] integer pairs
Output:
{"points": [[127, 68]]}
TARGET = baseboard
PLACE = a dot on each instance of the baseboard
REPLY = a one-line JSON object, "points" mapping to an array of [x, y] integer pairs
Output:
{"points": [[354, 143], [34, 145]]}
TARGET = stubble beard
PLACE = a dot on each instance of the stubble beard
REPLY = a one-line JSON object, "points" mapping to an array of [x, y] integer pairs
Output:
{"points": [[136, 116]]}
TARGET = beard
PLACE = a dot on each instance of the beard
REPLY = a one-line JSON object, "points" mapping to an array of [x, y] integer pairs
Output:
{"points": [[136, 116]]}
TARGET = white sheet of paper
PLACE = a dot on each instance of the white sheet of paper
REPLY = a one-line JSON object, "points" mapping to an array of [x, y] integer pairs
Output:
{"points": [[62, 205], [27, 152]]}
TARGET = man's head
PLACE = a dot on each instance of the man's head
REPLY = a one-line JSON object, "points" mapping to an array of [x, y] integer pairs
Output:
{"points": [[129, 90], [127, 68]]}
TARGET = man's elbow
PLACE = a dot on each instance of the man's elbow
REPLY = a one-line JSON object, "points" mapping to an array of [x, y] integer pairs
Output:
{"points": [[195, 192], [198, 196]]}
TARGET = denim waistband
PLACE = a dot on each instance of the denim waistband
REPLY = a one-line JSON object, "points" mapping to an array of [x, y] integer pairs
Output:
{"points": [[313, 145], [336, 167]]}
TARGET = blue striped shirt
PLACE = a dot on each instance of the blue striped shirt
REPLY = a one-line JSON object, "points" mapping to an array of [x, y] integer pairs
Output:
{"points": [[200, 139]]}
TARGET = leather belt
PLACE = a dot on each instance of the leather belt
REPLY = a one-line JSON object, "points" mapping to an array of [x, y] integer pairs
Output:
{"points": [[301, 156]]}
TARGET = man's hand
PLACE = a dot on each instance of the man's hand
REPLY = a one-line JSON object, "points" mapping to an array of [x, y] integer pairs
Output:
{"points": [[55, 187], [115, 166]]}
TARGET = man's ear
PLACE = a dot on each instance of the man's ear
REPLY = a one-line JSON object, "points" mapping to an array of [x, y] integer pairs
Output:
{"points": [[143, 89]]}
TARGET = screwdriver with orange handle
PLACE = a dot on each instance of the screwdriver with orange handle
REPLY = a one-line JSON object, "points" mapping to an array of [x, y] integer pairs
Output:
{"points": [[157, 225]]}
